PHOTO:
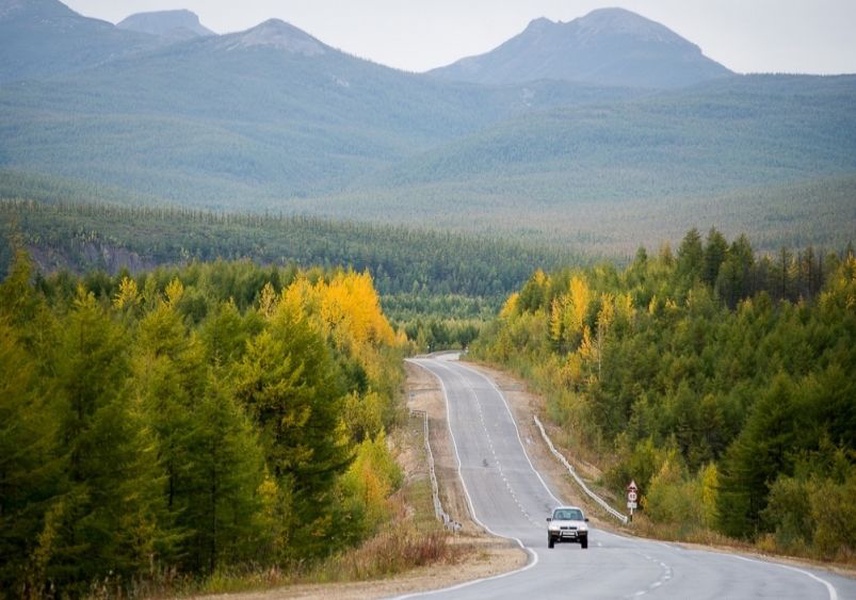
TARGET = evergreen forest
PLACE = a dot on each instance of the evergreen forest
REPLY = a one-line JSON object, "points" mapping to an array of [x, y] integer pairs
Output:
{"points": [[437, 285], [719, 380], [189, 421]]}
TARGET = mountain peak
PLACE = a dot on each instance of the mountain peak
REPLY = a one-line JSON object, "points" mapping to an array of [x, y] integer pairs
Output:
{"points": [[616, 18], [166, 23], [278, 34], [540, 24], [608, 46], [622, 22]]}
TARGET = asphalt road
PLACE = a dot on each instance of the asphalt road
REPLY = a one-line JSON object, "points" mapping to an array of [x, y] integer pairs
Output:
{"points": [[509, 498]]}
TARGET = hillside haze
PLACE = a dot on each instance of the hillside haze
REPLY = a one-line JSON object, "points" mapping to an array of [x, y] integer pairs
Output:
{"points": [[608, 131], [264, 114], [609, 46]]}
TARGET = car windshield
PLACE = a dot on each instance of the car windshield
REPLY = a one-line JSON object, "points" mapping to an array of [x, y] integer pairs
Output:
{"points": [[567, 514]]}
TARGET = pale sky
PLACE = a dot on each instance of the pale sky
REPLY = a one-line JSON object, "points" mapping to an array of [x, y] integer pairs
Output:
{"points": [[747, 36]]}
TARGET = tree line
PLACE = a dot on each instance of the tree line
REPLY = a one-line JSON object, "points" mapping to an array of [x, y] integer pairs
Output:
{"points": [[189, 420], [438, 286], [85, 237], [719, 380]]}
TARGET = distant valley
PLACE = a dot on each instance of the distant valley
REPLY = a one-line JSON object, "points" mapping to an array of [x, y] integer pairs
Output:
{"points": [[628, 143]]}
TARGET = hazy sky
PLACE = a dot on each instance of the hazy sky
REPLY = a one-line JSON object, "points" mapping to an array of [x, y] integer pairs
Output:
{"points": [[747, 36]]}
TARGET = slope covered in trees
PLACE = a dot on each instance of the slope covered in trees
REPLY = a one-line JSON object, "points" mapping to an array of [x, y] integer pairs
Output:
{"points": [[189, 420], [440, 286], [225, 123], [720, 381]]}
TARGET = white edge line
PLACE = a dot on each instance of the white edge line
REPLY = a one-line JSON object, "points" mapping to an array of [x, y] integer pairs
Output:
{"points": [[833, 593]]}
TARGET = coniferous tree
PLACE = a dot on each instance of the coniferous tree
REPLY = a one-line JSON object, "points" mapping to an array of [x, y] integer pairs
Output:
{"points": [[690, 259], [291, 387], [29, 469], [106, 516], [170, 378], [734, 281], [223, 492], [715, 254]]}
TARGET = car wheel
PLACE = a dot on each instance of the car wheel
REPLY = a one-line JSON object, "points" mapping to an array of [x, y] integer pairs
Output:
{"points": [[550, 542], [584, 544]]}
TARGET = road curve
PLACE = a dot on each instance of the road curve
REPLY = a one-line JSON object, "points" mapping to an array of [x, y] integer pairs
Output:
{"points": [[509, 498]]}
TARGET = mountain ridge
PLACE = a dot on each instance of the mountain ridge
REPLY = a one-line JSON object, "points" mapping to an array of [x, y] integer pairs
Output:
{"points": [[272, 119], [610, 46], [45, 38]]}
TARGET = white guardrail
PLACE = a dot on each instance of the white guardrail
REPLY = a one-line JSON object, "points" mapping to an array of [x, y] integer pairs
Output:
{"points": [[603, 503], [449, 523]]}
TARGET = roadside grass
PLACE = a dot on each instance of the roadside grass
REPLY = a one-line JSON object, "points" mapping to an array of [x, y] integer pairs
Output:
{"points": [[766, 545]]}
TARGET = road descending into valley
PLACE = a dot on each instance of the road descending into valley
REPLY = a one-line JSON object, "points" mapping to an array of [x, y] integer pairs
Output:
{"points": [[509, 498]]}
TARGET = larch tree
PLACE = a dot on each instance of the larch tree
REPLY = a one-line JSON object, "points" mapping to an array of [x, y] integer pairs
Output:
{"points": [[292, 389]]}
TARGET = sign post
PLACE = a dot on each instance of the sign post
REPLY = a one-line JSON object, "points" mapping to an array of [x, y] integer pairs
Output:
{"points": [[632, 498]]}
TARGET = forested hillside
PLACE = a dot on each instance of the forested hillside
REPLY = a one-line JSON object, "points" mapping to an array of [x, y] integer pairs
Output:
{"points": [[242, 122], [75, 42], [637, 172], [719, 380], [189, 420], [82, 237], [273, 120], [439, 286]]}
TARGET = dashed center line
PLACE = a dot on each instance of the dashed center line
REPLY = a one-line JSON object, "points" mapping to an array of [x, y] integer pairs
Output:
{"points": [[665, 576]]}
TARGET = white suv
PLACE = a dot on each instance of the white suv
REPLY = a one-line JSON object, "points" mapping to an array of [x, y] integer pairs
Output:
{"points": [[567, 524]]}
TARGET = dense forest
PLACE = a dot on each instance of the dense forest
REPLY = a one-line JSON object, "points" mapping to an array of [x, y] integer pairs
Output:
{"points": [[439, 286], [189, 420], [83, 237], [719, 380]]}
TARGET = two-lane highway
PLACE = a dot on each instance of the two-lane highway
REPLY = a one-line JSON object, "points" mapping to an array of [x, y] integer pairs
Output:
{"points": [[509, 498]]}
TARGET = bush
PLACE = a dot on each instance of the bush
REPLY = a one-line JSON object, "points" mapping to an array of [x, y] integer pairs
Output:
{"points": [[834, 513]]}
